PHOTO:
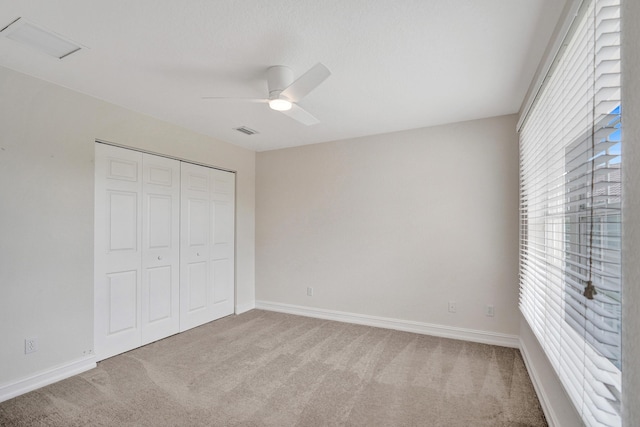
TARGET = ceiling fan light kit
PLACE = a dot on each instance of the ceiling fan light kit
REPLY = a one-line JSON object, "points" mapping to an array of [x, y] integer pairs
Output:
{"points": [[279, 104]]}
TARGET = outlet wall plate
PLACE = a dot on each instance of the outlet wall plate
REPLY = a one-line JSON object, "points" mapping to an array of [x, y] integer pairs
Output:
{"points": [[30, 345], [452, 307], [489, 311]]}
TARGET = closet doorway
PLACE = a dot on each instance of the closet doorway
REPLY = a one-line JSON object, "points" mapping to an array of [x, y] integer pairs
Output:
{"points": [[164, 247]]}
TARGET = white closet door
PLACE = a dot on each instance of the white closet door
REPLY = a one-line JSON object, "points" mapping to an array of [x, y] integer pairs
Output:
{"points": [[223, 238], [207, 245], [160, 303], [118, 219], [164, 248], [137, 249], [194, 247]]}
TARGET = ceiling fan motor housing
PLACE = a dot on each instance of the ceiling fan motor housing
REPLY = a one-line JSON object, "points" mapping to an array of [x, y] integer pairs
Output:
{"points": [[279, 77]]}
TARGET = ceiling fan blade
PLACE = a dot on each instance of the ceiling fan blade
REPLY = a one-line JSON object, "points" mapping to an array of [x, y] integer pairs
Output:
{"points": [[299, 114], [306, 82], [254, 100]]}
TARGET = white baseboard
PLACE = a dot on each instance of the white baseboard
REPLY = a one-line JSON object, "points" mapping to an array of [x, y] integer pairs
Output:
{"points": [[41, 379], [243, 308], [543, 398], [484, 337]]}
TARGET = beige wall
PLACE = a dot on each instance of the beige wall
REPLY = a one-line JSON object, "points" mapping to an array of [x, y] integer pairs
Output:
{"points": [[395, 225], [631, 212], [47, 138]]}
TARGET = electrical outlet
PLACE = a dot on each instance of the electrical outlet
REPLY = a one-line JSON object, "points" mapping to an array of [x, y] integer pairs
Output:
{"points": [[309, 291], [489, 311], [30, 345], [452, 307]]}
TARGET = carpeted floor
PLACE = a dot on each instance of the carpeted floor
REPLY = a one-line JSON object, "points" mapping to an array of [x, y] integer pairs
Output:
{"points": [[271, 369]]}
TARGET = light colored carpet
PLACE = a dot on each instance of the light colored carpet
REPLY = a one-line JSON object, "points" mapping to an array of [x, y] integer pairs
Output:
{"points": [[271, 369]]}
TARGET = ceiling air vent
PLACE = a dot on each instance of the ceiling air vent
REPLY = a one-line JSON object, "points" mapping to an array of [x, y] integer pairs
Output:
{"points": [[246, 130]]}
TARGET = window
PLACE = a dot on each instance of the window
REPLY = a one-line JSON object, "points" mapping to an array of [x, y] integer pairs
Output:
{"points": [[570, 222], [593, 238]]}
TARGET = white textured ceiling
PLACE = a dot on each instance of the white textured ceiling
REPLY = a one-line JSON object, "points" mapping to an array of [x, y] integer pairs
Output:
{"points": [[396, 64]]}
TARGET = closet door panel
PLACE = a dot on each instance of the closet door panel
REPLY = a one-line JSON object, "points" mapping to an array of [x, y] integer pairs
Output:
{"points": [[160, 305], [197, 279], [221, 277], [197, 224], [207, 251], [161, 298], [122, 289], [118, 233], [122, 221], [222, 239], [195, 276], [160, 222]]}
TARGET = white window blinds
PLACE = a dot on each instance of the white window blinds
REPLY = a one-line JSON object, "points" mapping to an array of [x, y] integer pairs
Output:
{"points": [[570, 229]]}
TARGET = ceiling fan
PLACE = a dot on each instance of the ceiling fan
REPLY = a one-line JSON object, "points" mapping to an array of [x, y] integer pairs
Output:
{"points": [[285, 93]]}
